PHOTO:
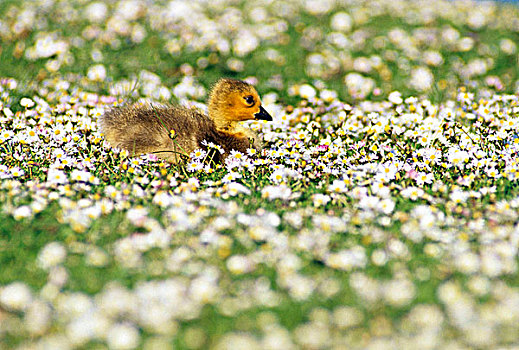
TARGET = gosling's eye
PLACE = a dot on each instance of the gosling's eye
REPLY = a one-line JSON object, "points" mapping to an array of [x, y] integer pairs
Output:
{"points": [[249, 99]]}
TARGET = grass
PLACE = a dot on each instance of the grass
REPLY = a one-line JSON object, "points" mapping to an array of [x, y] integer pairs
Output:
{"points": [[285, 258]]}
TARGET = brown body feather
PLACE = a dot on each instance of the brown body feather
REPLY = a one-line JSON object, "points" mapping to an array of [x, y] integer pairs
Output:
{"points": [[142, 129], [146, 128]]}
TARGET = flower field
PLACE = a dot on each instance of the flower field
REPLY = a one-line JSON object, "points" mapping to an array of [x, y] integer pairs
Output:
{"points": [[382, 213]]}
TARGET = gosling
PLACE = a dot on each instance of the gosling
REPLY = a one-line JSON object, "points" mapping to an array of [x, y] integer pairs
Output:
{"points": [[173, 132]]}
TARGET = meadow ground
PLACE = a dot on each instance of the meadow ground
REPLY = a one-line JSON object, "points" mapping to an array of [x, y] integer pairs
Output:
{"points": [[383, 212]]}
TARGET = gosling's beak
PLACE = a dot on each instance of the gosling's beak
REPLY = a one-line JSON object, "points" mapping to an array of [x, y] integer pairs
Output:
{"points": [[263, 115]]}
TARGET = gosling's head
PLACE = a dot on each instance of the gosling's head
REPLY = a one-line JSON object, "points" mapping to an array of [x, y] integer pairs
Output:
{"points": [[233, 101]]}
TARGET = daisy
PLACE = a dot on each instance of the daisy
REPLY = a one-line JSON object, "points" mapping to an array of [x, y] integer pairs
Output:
{"points": [[5, 135], [278, 176], [80, 175], [338, 186], [56, 176], [26, 102], [413, 193], [198, 154], [16, 172], [387, 171], [424, 178], [194, 166], [320, 199]]}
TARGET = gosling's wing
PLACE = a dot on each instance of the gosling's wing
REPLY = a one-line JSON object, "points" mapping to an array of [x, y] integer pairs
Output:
{"points": [[171, 132], [133, 128]]}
